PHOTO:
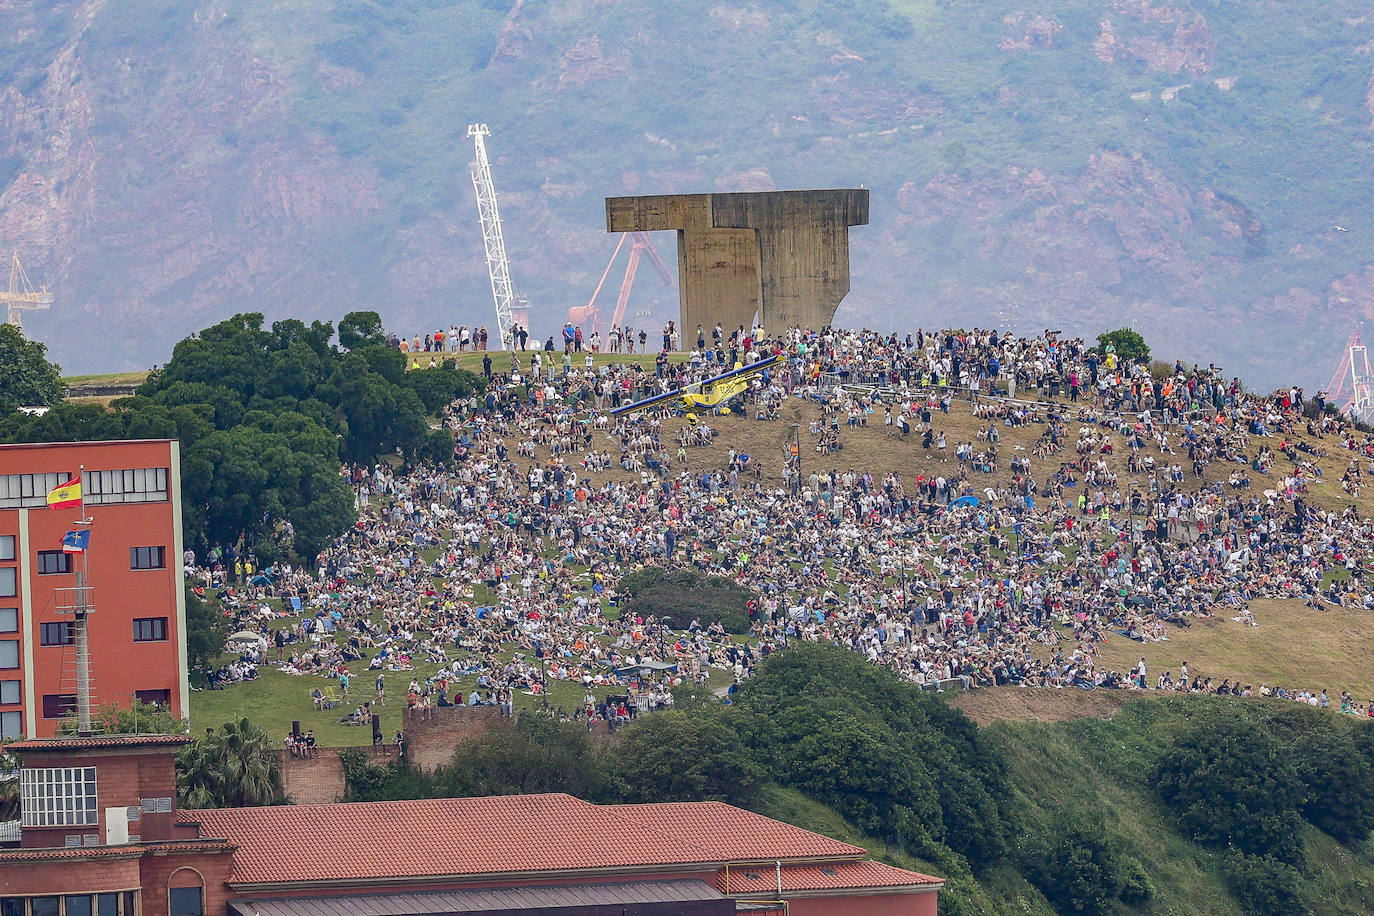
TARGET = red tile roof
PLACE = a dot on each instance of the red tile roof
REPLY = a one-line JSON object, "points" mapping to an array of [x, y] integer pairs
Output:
{"points": [[96, 742], [735, 834], [497, 835], [761, 879]]}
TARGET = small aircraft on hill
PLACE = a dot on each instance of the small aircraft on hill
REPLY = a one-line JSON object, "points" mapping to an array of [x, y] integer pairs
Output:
{"points": [[709, 394]]}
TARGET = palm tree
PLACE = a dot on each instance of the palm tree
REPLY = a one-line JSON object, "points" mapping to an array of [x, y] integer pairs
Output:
{"points": [[234, 767]]}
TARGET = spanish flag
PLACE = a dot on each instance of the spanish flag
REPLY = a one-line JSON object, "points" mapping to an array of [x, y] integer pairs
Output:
{"points": [[66, 496]]}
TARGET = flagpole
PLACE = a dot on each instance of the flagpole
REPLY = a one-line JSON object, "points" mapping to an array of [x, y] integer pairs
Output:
{"points": [[81, 636]]}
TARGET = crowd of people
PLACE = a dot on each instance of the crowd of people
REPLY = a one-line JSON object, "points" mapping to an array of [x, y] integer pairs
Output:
{"points": [[1146, 498]]}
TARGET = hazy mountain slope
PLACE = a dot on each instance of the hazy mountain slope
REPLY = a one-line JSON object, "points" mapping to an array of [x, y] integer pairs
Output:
{"points": [[1081, 164]]}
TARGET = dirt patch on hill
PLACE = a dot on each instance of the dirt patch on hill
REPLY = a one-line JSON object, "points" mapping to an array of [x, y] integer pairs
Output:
{"points": [[1037, 704]]}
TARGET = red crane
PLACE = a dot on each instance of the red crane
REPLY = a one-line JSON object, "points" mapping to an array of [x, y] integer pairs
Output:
{"points": [[590, 314], [1352, 387]]}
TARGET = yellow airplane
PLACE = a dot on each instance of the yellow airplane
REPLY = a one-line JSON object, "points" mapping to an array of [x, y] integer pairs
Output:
{"points": [[710, 394]]}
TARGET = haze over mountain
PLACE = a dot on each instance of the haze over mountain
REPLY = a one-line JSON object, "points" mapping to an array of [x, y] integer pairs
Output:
{"points": [[1201, 170]]}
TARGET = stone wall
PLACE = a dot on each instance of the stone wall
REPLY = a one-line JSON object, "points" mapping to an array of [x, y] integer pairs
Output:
{"points": [[320, 780]]}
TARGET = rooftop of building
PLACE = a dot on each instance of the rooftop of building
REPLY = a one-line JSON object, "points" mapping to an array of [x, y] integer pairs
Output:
{"points": [[401, 841], [96, 742], [14, 446]]}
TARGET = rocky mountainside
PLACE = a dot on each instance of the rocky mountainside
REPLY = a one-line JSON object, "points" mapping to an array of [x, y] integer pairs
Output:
{"points": [[1200, 169]]}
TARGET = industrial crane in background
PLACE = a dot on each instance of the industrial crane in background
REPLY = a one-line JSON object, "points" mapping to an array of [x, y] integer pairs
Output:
{"points": [[1352, 387], [497, 265], [590, 314], [22, 295]]}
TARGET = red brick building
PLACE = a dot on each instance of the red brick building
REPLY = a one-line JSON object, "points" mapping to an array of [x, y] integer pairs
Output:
{"points": [[132, 493], [101, 836]]}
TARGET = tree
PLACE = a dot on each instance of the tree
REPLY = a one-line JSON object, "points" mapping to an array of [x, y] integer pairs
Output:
{"points": [[892, 759], [27, 379], [1079, 868], [1339, 783], [138, 718], [538, 754], [442, 385], [1231, 785], [679, 755], [235, 766], [1128, 344], [679, 595], [361, 329], [205, 632]]}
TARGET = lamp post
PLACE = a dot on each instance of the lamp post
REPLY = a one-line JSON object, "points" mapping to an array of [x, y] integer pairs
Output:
{"points": [[796, 454]]}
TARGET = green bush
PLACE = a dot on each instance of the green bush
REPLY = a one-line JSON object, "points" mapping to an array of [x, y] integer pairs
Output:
{"points": [[1234, 787], [1079, 868], [680, 595], [1264, 885]]}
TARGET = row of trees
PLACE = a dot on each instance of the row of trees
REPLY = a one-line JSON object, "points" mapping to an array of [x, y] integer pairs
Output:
{"points": [[265, 415], [897, 763]]}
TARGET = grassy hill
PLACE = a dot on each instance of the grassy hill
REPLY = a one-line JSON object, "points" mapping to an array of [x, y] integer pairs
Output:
{"points": [[1197, 163]]}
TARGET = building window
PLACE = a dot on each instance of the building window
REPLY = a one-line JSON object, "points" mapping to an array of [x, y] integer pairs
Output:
{"points": [[107, 905], [57, 797], [9, 620], [11, 906], [147, 558], [9, 653], [58, 705], [11, 725], [53, 561], [154, 697], [76, 906], [150, 629], [44, 906], [9, 692], [185, 901], [8, 582], [56, 634], [28, 491], [135, 485], [6, 547]]}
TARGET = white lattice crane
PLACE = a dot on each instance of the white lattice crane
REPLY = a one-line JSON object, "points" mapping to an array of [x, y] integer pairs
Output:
{"points": [[22, 295], [497, 265], [1352, 387]]}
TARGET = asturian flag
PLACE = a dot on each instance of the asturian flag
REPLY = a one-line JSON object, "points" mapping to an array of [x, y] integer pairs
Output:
{"points": [[76, 541]]}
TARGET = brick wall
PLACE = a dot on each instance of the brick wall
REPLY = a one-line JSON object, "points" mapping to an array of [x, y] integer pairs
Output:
{"points": [[319, 780]]}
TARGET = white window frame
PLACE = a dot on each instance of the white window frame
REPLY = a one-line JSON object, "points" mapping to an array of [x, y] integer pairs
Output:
{"points": [[28, 491], [128, 485], [58, 797]]}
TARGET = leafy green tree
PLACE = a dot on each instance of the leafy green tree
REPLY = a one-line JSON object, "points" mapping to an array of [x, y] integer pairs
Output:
{"points": [[27, 379], [442, 385], [537, 754], [1079, 868], [678, 755], [1232, 786], [1128, 344], [1264, 885], [138, 718], [206, 631], [1339, 783], [893, 760], [679, 595], [235, 766], [361, 329]]}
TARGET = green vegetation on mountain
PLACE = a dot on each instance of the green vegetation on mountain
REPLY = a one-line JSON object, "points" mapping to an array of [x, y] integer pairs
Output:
{"points": [[1187, 804], [1194, 163]]}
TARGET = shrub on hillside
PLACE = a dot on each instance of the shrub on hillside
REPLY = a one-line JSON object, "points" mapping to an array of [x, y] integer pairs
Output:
{"points": [[1264, 885], [1080, 869], [686, 755], [680, 595], [1232, 786], [891, 759], [1339, 783]]}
